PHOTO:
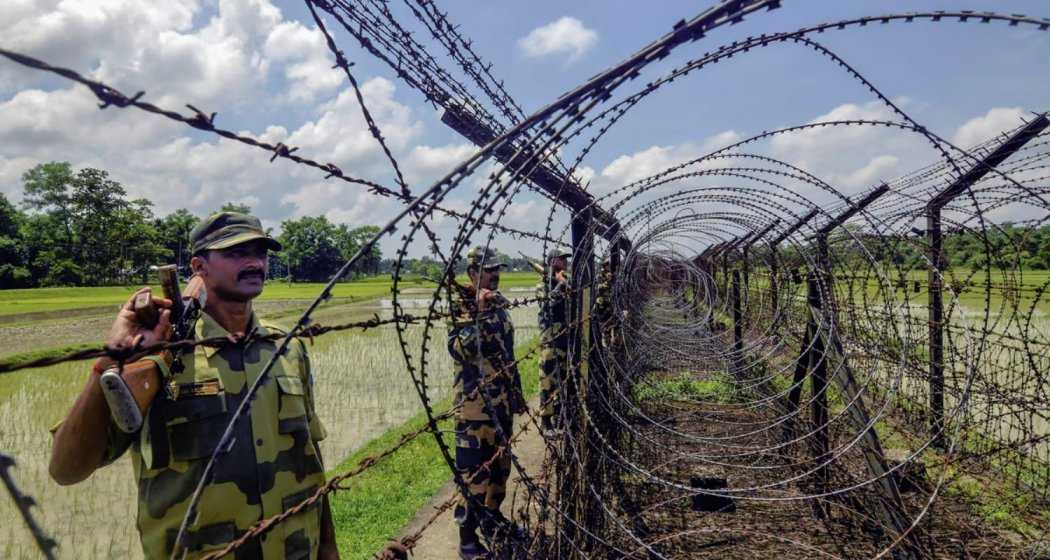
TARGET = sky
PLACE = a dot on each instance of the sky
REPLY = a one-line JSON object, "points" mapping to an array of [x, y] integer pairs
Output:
{"points": [[264, 67]]}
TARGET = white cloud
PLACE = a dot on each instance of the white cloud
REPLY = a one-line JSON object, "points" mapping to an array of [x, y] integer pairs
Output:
{"points": [[853, 157], [989, 125], [639, 165], [157, 159], [338, 203], [584, 174], [629, 168], [339, 133], [566, 36], [224, 61], [879, 168], [432, 162], [309, 68]]}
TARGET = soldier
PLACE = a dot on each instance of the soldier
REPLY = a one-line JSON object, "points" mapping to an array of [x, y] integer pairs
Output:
{"points": [[488, 394], [554, 338], [275, 462], [603, 311]]}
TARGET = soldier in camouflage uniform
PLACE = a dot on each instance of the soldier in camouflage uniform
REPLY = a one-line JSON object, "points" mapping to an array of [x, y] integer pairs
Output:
{"points": [[554, 336], [603, 311], [275, 462], [487, 390]]}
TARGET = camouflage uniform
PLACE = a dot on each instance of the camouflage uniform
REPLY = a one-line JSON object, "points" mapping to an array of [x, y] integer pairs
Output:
{"points": [[603, 306], [273, 465], [554, 340], [482, 350]]}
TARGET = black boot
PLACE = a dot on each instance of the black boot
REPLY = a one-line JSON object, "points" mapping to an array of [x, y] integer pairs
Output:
{"points": [[470, 547], [495, 526]]}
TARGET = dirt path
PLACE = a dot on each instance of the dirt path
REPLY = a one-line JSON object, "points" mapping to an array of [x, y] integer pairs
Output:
{"points": [[441, 540]]}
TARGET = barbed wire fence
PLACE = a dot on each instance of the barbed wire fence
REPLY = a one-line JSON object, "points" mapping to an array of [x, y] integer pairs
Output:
{"points": [[755, 340]]}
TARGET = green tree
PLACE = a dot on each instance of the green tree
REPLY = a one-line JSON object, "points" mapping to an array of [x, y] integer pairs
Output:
{"points": [[46, 188], [310, 251], [138, 239], [96, 201], [349, 241], [13, 272], [85, 230], [426, 266], [43, 248], [174, 230], [236, 207]]}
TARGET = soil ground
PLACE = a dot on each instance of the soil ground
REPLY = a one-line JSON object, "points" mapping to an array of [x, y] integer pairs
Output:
{"points": [[783, 528], [440, 541]]}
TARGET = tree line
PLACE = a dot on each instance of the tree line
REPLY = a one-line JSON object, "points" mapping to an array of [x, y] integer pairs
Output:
{"points": [[1007, 245], [79, 228]]}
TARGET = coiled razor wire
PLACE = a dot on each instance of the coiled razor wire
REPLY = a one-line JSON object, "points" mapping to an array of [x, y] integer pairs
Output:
{"points": [[747, 336]]}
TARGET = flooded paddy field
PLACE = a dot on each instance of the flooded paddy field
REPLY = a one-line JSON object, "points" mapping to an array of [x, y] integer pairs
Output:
{"points": [[362, 388]]}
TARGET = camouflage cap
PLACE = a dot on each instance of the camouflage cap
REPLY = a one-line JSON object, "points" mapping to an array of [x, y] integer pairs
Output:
{"points": [[558, 253], [226, 229], [483, 257]]}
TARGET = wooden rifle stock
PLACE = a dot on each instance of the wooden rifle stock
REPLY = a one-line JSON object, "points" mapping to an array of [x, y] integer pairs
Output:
{"points": [[130, 392]]}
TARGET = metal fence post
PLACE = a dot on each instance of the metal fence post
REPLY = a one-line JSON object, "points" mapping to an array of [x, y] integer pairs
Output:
{"points": [[938, 261], [580, 369], [738, 326]]}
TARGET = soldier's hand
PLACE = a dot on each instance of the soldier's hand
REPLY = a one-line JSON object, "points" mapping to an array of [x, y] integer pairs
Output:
{"points": [[560, 277], [128, 332], [485, 296]]}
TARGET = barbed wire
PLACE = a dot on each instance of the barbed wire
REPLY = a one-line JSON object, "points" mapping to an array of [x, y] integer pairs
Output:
{"points": [[334, 484], [24, 504], [310, 332], [756, 340], [111, 97]]}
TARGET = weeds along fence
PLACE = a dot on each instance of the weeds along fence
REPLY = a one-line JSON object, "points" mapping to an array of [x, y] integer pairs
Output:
{"points": [[960, 352], [751, 371]]}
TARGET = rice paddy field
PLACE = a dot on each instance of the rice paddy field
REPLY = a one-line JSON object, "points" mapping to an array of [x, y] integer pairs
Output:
{"points": [[997, 353], [40, 320], [363, 390]]}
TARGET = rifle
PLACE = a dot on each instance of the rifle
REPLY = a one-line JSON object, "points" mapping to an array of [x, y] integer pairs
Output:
{"points": [[130, 393], [465, 292], [539, 268]]}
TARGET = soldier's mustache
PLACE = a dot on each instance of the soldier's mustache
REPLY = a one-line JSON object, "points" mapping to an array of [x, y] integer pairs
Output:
{"points": [[247, 273]]}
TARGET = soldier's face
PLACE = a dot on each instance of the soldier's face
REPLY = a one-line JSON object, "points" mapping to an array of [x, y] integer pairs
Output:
{"points": [[486, 279], [237, 273], [559, 264]]}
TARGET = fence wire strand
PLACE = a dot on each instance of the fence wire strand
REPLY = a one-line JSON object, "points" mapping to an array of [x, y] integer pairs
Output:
{"points": [[762, 363]]}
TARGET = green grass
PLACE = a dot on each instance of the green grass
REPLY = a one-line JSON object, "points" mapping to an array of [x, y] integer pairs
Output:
{"points": [[37, 300], [685, 387], [16, 360], [385, 497]]}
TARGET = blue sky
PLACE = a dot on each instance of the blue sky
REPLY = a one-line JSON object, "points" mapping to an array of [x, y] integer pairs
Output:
{"points": [[261, 65]]}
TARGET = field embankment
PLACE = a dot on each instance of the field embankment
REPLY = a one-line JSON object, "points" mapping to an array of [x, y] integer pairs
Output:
{"points": [[53, 321], [384, 498]]}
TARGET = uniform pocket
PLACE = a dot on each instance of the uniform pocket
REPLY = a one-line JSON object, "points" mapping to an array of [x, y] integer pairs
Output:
{"points": [[297, 546], [292, 415], [195, 425]]}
